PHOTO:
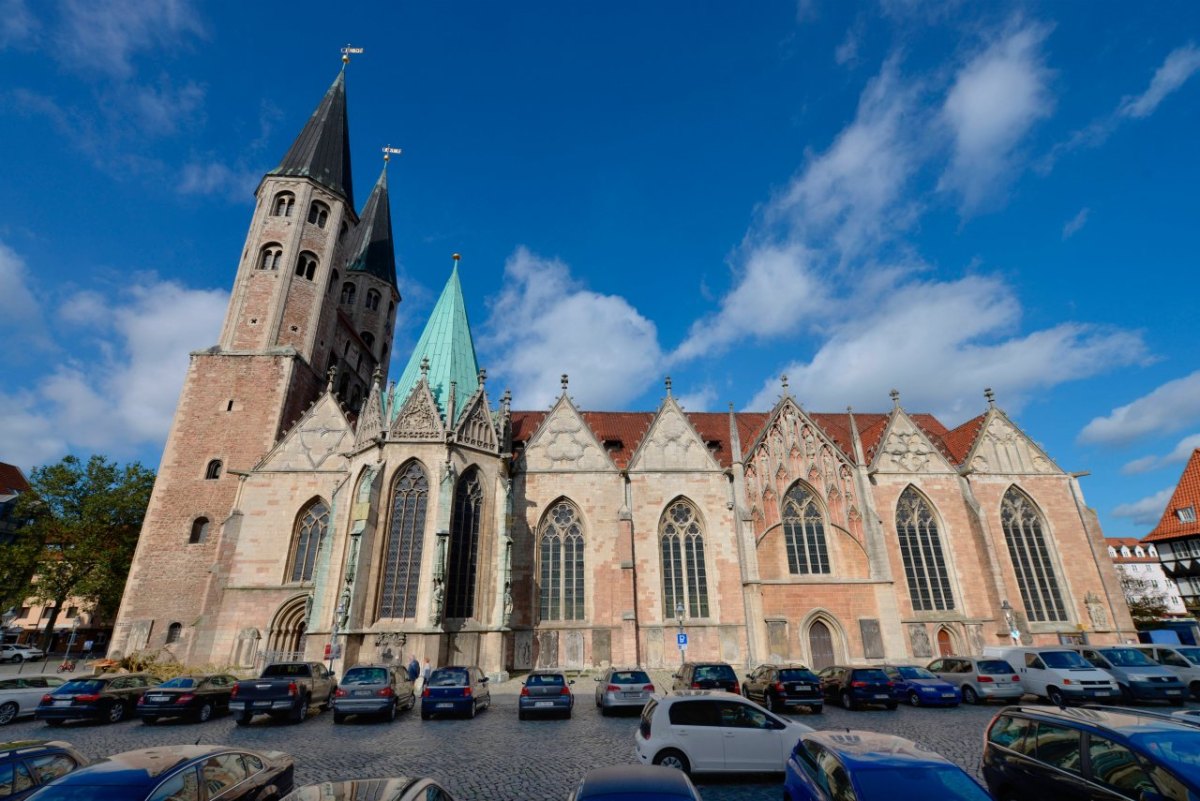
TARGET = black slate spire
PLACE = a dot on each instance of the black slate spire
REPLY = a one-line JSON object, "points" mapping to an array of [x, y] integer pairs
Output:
{"points": [[322, 150], [371, 250]]}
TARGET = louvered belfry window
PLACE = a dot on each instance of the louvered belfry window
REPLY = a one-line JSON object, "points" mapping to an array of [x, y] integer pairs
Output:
{"points": [[561, 570], [406, 539], [311, 528], [921, 551], [1024, 532], [464, 546], [804, 532], [685, 577]]}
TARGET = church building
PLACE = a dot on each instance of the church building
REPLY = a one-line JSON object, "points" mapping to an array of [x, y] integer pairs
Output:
{"points": [[306, 507]]}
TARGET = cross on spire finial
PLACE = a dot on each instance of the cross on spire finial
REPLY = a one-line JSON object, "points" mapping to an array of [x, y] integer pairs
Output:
{"points": [[667, 382], [895, 396], [991, 396], [482, 376], [424, 367], [563, 379]]}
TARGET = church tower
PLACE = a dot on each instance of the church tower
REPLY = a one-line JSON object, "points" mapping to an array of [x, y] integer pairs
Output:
{"points": [[313, 301]]}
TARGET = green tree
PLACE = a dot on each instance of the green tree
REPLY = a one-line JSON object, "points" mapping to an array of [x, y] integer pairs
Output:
{"points": [[1147, 604], [82, 521], [18, 562]]}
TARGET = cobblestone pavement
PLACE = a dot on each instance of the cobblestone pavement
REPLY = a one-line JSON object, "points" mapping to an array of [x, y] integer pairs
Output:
{"points": [[495, 756]]}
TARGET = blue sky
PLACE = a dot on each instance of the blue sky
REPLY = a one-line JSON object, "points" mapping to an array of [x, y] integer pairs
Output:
{"points": [[932, 197]]}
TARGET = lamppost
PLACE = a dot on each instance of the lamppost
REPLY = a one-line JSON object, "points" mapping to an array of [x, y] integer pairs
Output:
{"points": [[679, 616], [1010, 621]]}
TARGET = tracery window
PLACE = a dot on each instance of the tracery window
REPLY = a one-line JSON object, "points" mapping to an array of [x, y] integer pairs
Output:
{"points": [[311, 528], [306, 267], [270, 256], [282, 207], [406, 538], [464, 546], [318, 214], [1024, 532], [685, 578], [921, 551], [804, 532], [348, 291], [561, 564]]}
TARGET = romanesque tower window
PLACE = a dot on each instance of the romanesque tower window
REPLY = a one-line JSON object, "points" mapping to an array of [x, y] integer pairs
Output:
{"points": [[406, 538], [174, 632], [804, 532], [368, 338], [213, 471], [270, 257], [199, 531], [685, 579], [306, 267], [311, 528], [561, 556], [318, 214], [282, 207], [464, 546], [1024, 531], [373, 298], [348, 291], [921, 551]]}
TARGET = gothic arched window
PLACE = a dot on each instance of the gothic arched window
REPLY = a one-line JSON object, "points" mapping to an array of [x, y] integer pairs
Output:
{"points": [[270, 256], [318, 214], [199, 531], [1024, 532], [174, 632], [464, 545], [561, 558], [921, 551], [213, 471], [282, 206], [406, 539], [306, 267], [804, 532], [685, 577], [348, 291], [311, 528]]}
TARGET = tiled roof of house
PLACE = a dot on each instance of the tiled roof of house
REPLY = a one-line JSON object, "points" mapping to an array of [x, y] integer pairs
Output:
{"points": [[960, 441], [12, 480], [1131, 543], [1186, 495]]}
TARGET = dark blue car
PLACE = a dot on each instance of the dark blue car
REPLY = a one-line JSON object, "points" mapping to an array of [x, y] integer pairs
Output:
{"points": [[455, 690], [920, 687], [868, 766]]}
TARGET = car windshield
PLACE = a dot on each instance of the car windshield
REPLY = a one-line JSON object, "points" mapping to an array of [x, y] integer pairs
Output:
{"points": [[80, 686], [1126, 657], [870, 675], [915, 673], [993, 666], [630, 677], [714, 673], [365, 676], [179, 681], [1190, 654], [545, 680], [920, 782], [1179, 751], [1064, 660], [795, 674], [448, 677]]}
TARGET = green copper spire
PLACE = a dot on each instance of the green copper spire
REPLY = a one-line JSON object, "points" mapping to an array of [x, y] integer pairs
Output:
{"points": [[446, 342]]}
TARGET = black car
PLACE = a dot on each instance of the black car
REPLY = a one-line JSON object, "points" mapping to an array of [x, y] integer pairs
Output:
{"points": [[1095, 753], [706, 676], [26, 766], [396, 788], [195, 697], [782, 687], [108, 699], [178, 773], [853, 687]]}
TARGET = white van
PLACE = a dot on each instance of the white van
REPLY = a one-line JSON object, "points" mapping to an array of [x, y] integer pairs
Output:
{"points": [[1139, 677], [1182, 660], [1057, 673]]}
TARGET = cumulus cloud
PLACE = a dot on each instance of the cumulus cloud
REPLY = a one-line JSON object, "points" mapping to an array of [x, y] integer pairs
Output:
{"points": [[1170, 407], [210, 177], [104, 37], [1180, 453], [1074, 224], [545, 323], [701, 400], [1148, 510], [1179, 65]]}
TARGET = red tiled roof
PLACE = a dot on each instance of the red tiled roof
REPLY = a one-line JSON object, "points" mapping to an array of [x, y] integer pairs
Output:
{"points": [[12, 480], [1187, 493], [1131, 543], [960, 441], [625, 428]]}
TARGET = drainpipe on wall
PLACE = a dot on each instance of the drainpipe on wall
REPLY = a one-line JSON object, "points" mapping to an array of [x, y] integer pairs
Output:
{"points": [[627, 514]]}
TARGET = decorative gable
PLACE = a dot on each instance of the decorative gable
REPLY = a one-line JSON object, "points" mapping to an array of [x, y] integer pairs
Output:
{"points": [[370, 419], [565, 442], [1004, 449], [322, 434], [672, 444], [475, 427], [419, 418], [906, 449]]}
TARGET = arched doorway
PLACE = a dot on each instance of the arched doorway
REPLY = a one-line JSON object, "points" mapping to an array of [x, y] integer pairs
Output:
{"points": [[285, 642], [820, 645], [945, 643]]}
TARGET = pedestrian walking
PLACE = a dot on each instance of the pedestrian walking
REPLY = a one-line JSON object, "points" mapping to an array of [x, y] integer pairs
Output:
{"points": [[87, 649], [414, 668], [425, 671]]}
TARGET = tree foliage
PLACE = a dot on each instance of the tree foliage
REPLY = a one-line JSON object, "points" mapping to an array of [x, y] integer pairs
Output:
{"points": [[1147, 604], [80, 522]]}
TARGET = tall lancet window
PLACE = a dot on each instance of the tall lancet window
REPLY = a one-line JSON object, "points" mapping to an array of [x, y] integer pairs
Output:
{"points": [[406, 539], [1025, 533], [561, 557], [921, 550], [685, 578], [464, 546], [311, 527], [804, 532]]}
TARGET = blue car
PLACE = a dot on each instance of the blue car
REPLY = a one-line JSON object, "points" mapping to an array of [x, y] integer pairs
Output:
{"points": [[920, 687], [868, 766], [455, 690]]}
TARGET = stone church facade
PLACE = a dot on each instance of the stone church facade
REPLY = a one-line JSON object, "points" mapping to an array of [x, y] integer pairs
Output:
{"points": [[305, 507]]}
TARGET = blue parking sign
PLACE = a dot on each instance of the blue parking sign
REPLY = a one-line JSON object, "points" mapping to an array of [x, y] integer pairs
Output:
{"points": [[681, 638]]}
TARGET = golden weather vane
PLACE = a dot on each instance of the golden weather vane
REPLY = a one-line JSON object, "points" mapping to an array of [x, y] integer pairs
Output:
{"points": [[390, 151], [348, 51]]}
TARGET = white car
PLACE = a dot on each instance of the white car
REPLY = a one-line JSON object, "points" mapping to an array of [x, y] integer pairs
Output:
{"points": [[702, 731], [19, 695], [20, 653]]}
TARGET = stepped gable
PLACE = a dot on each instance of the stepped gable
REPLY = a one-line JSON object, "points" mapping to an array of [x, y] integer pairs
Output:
{"points": [[961, 440], [1187, 493]]}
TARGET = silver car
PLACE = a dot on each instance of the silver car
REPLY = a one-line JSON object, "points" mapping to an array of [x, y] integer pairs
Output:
{"points": [[21, 653], [379, 690], [19, 695], [623, 687], [979, 678]]}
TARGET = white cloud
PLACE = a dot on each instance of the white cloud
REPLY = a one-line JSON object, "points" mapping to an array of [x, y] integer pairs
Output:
{"points": [[847, 51], [701, 400], [103, 37], [163, 109], [1148, 510], [21, 318], [995, 100], [1074, 224], [606, 346], [85, 308], [1179, 65], [215, 178], [18, 27], [1169, 407], [1180, 453]]}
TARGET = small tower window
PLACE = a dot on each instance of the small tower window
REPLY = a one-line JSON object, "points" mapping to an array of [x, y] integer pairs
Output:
{"points": [[318, 214], [271, 254], [284, 202], [373, 298], [174, 632], [199, 531], [306, 267], [348, 291], [213, 471], [369, 338]]}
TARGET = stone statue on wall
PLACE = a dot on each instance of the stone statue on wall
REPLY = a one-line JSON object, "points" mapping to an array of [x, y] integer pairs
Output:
{"points": [[508, 603], [918, 637], [1096, 611], [439, 599]]}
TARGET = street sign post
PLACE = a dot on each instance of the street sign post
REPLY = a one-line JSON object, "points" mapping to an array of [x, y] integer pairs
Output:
{"points": [[681, 640]]}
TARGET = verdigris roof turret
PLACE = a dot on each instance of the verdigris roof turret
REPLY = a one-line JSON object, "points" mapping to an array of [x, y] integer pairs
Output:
{"points": [[371, 250], [322, 150]]}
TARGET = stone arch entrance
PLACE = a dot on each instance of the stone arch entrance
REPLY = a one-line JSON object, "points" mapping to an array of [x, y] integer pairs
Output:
{"points": [[820, 645], [285, 641]]}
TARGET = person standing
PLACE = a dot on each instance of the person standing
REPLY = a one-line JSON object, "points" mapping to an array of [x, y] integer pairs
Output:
{"points": [[425, 671], [414, 669]]}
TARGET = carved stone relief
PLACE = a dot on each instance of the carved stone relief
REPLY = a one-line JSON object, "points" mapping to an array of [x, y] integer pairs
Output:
{"points": [[872, 638], [777, 641], [323, 433], [918, 638], [476, 428], [419, 417], [565, 443], [574, 650], [601, 646], [1096, 611], [672, 444], [1003, 448], [523, 650], [547, 655]]}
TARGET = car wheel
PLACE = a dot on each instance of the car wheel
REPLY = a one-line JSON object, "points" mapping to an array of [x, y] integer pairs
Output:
{"points": [[914, 698], [770, 702], [243, 719], [115, 713], [205, 713], [424, 715], [521, 714], [1055, 696], [339, 718], [473, 711], [390, 715], [18, 658], [670, 758], [848, 702], [300, 713], [969, 696], [7, 713], [412, 701], [603, 711]]}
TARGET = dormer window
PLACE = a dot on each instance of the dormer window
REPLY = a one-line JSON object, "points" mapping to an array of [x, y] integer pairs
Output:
{"points": [[1187, 514], [1138, 551], [1112, 551], [282, 206], [271, 255], [318, 214], [1124, 550], [306, 267], [1152, 550]]}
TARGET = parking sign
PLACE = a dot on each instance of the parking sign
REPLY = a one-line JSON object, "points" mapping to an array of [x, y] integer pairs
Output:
{"points": [[681, 638]]}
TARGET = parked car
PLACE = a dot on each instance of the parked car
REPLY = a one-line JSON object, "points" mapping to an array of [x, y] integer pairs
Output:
{"points": [[979, 678], [195, 697], [380, 690], [623, 688], [109, 698], [284, 690], [635, 783], [545, 692], [705, 676], [26, 766], [852, 687], [701, 731], [783, 687], [455, 690], [1182, 660], [20, 653], [396, 788], [921, 687], [868, 766], [20, 695], [1098, 754], [177, 773], [1139, 677], [1057, 673]]}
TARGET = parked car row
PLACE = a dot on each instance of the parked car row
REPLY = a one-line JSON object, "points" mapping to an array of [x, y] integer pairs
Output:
{"points": [[11, 652]]}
